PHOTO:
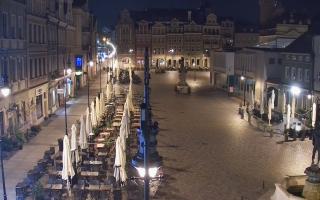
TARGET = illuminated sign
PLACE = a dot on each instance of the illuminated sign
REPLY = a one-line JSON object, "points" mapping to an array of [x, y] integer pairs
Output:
{"points": [[78, 62]]}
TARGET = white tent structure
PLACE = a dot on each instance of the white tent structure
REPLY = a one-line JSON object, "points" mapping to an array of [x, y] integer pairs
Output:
{"points": [[269, 110], [88, 123], [314, 115], [67, 169], [97, 106], [120, 162], [125, 123], [74, 144], [93, 114], [252, 100], [284, 103], [272, 99], [102, 103], [109, 91], [293, 107], [129, 99], [83, 136], [261, 104], [288, 116]]}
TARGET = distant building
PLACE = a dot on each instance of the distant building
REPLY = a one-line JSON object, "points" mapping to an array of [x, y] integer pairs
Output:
{"points": [[246, 36], [170, 35]]}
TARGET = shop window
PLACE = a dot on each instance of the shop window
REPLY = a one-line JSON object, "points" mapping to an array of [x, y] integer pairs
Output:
{"points": [[39, 108]]}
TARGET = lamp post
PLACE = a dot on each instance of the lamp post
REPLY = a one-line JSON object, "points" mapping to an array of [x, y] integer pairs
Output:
{"points": [[244, 89], [5, 91], [90, 64]]}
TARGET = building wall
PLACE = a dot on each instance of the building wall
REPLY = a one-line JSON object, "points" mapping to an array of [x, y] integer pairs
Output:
{"points": [[168, 41], [37, 41], [13, 65]]}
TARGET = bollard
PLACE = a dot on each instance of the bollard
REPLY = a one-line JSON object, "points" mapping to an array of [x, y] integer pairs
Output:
{"points": [[263, 184]]}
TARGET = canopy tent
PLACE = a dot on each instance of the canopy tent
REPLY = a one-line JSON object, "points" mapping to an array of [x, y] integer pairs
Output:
{"points": [[93, 115], [120, 163], [88, 123], [83, 136], [97, 106], [67, 169], [74, 144]]}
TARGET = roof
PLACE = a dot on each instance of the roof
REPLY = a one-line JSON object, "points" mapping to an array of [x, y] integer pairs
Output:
{"points": [[302, 44], [157, 14], [198, 15]]}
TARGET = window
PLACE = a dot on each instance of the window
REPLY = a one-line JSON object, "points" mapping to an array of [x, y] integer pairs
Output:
{"points": [[271, 61], [307, 75], [307, 58], [30, 33], [300, 76], [198, 62], [43, 35], [34, 33], [44, 66], [20, 25], [39, 34], [40, 67], [5, 25], [35, 69], [279, 61], [13, 26], [294, 57], [293, 73], [31, 69]]}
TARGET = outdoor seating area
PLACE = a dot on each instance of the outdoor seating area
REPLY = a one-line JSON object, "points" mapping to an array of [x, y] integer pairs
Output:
{"points": [[86, 165]]}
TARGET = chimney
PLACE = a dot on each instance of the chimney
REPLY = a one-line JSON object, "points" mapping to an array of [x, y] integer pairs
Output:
{"points": [[189, 15]]}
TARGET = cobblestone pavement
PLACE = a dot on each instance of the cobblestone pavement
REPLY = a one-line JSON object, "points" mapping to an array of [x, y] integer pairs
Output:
{"points": [[17, 166], [209, 152]]}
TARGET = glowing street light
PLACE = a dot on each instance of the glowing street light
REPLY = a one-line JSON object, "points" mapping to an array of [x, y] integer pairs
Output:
{"points": [[5, 91], [152, 171], [69, 71], [242, 78], [130, 50], [91, 63], [104, 39], [295, 90]]}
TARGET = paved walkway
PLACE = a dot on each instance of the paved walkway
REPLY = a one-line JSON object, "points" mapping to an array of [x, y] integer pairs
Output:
{"points": [[17, 166]]}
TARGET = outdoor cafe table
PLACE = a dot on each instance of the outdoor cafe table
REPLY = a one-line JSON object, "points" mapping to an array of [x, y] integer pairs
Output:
{"points": [[89, 174], [100, 140], [100, 145], [105, 134], [92, 162]]}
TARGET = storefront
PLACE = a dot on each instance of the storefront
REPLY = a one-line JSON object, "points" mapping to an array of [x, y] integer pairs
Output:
{"points": [[38, 104]]}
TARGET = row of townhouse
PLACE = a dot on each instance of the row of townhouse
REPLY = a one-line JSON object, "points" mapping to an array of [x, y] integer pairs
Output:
{"points": [[256, 71], [39, 40]]}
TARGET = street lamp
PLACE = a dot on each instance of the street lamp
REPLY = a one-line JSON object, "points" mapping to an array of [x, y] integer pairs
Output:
{"points": [[5, 91], [90, 64], [244, 89]]}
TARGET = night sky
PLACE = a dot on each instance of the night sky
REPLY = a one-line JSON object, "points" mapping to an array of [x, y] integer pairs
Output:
{"points": [[246, 11], [108, 12]]}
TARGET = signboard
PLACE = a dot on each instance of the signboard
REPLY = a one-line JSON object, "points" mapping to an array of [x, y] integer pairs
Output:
{"points": [[60, 91], [78, 62]]}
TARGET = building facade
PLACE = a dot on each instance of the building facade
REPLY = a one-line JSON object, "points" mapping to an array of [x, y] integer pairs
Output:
{"points": [[37, 45], [13, 65], [170, 35]]}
